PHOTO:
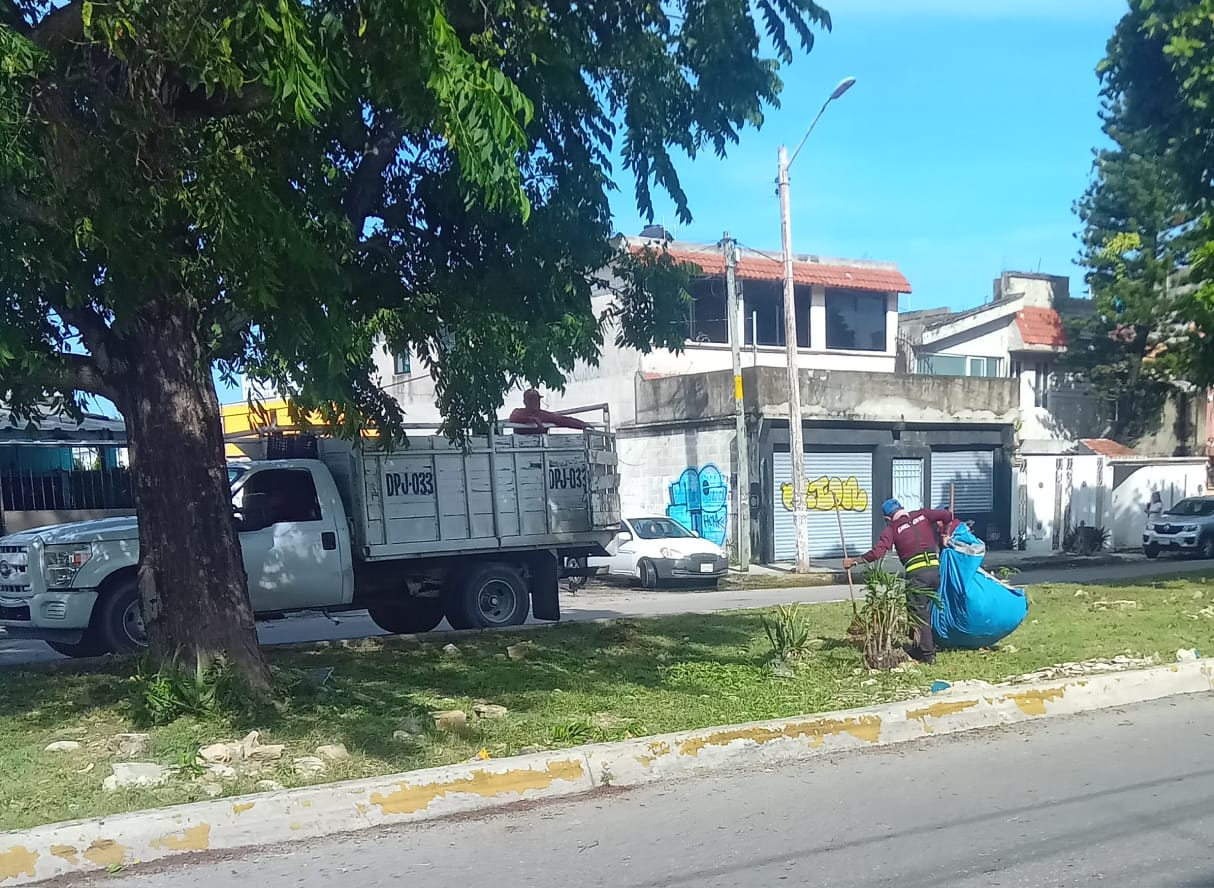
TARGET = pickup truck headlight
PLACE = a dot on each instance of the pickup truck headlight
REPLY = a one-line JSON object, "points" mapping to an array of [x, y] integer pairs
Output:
{"points": [[62, 563], [1189, 528]]}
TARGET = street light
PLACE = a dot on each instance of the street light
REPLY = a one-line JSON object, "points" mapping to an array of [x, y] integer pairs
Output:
{"points": [[796, 438]]}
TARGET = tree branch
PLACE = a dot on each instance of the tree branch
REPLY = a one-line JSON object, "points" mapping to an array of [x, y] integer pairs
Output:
{"points": [[78, 373], [366, 185], [11, 15], [62, 25], [93, 329]]}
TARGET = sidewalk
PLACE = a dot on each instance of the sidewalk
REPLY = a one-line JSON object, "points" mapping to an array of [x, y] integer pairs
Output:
{"points": [[994, 561]]}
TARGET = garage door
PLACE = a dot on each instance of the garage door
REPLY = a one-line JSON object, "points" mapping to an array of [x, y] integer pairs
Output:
{"points": [[843, 478], [970, 473]]}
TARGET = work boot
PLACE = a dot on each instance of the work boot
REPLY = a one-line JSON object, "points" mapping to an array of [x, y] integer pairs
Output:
{"points": [[927, 658]]}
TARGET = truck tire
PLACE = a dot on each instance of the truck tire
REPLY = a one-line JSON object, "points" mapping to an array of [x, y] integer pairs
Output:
{"points": [[117, 623], [1151, 552], [407, 616], [488, 596]]}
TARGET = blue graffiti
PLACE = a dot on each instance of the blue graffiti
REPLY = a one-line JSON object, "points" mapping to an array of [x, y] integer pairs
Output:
{"points": [[699, 500]]}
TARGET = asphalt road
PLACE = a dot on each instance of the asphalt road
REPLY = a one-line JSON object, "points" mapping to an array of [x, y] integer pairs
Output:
{"points": [[1120, 798], [611, 602]]}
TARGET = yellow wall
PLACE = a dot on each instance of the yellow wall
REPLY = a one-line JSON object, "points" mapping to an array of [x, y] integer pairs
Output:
{"points": [[239, 418]]}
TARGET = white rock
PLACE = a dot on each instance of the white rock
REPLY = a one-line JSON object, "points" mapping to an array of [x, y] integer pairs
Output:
{"points": [[64, 746], [213, 790], [216, 753], [412, 724], [489, 710], [135, 774], [131, 745], [268, 786], [451, 650], [221, 771], [335, 752], [308, 765]]}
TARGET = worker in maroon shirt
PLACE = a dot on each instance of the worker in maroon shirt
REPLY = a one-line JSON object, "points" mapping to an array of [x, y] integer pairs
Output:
{"points": [[536, 420], [913, 536]]}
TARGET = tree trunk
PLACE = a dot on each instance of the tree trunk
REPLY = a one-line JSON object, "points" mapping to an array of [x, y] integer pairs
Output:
{"points": [[191, 574]]}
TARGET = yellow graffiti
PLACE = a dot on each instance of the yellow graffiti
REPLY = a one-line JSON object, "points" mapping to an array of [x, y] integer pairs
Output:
{"points": [[827, 494]]}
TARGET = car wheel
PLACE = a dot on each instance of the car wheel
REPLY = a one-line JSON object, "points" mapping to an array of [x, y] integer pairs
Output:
{"points": [[407, 616], [1151, 552], [1207, 547], [491, 596], [118, 620], [648, 574]]}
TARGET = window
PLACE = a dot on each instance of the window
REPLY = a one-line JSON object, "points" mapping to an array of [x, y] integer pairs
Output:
{"points": [[1041, 384], [401, 365], [277, 496], [960, 365], [660, 529], [855, 320], [707, 320]]}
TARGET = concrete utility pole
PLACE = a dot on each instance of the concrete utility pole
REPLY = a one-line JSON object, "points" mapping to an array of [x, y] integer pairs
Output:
{"points": [[796, 431], [734, 311]]}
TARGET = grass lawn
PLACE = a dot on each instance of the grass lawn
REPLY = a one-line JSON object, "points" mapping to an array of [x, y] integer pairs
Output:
{"points": [[579, 682]]}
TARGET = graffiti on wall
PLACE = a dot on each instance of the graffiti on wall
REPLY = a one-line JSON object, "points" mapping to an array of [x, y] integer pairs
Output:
{"points": [[699, 500], [827, 494]]}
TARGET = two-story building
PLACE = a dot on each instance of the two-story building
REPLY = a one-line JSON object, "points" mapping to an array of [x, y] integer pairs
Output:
{"points": [[869, 432], [1068, 473]]}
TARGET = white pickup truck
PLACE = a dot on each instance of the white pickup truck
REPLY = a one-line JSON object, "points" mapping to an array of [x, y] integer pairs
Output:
{"points": [[477, 534]]}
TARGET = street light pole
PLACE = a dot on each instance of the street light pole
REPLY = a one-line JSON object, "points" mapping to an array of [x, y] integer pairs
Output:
{"points": [[796, 431]]}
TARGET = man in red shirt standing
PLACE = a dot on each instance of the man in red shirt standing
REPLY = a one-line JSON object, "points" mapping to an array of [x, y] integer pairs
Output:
{"points": [[913, 536]]}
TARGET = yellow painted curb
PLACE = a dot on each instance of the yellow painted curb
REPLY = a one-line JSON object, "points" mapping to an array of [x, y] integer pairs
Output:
{"points": [[225, 824]]}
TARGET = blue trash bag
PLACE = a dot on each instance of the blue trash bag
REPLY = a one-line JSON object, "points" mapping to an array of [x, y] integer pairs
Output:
{"points": [[975, 609]]}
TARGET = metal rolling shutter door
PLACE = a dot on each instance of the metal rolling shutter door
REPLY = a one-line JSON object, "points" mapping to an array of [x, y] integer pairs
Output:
{"points": [[826, 474], [971, 473]]}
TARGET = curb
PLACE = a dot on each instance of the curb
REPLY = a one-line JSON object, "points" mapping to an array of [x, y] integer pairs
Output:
{"points": [[290, 815]]}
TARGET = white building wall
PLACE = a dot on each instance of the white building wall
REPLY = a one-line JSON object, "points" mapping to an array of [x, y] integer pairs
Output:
{"points": [[1173, 479], [687, 474]]}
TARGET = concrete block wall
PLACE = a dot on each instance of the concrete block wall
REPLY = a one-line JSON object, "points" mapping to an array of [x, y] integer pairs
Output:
{"points": [[685, 472]]}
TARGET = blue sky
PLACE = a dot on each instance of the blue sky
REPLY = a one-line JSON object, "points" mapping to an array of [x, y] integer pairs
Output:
{"points": [[958, 154]]}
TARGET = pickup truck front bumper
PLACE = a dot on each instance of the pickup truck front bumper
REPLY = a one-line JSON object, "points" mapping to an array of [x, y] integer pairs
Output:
{"points": [[55, 615]]}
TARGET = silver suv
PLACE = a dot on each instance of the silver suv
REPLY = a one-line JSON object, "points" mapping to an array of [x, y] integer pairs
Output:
{"points": [[1186, 527]]}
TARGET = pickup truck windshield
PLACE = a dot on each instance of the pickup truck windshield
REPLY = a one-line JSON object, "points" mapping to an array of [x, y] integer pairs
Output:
{"points": [[1193, 508]]}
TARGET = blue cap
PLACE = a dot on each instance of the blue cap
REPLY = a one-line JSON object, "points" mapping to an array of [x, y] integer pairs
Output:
{"points": [[890, 507]]}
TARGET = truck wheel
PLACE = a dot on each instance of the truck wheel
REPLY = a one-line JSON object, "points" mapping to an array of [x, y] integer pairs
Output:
{"points": [[408, 615], [648, 574], [489, 597], [1207, 547], [118, 619], [1151, 552]]}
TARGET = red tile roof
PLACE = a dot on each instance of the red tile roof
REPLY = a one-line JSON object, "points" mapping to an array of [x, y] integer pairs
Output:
{"points": [[1107, 447], [1041, 326], [755, 268]]}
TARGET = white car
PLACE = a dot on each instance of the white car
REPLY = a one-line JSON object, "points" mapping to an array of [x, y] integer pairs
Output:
{"points": [[653, 550]]}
